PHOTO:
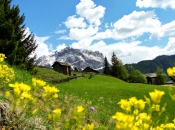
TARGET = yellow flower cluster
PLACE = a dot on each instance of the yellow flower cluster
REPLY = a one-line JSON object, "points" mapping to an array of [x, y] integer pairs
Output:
{"points": [[135, 117], [6, 73], [167, 126], [48, 90], [171, 71], [2, 57], [38, 83], [20, 90], [136, 120], [132, 103]]}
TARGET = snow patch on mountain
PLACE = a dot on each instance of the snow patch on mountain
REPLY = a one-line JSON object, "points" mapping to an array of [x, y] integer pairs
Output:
{"points": [[75, 57]]}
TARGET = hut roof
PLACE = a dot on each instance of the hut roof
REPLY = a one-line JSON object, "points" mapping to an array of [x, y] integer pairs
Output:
{"points": [[61, 63], [92, 70], [151, 75]]}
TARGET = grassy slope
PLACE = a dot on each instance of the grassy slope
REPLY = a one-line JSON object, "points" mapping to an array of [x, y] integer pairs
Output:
{"points": [[49, 74], [105, 92]]}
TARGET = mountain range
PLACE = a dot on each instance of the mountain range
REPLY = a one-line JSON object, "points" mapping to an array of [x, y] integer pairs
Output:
{"points": [[81, 59], [75, 57], [151, 66]]}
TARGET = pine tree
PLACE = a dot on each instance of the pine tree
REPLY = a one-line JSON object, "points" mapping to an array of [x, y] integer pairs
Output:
{"points": [[115, 65], [118, 69], [14, 43], [106, 69]]}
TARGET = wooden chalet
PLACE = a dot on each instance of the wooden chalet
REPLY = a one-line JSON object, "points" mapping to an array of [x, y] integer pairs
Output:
{"points": [[62, 67], [150, 77], [88, 69]]}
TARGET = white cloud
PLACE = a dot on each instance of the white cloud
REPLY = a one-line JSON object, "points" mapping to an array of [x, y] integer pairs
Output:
{"points": [[73, 22], [135, 24], [64, 38], [170, 48], [156, 4], [82, 44], [103, 35], [79, 34], [43, 48], [87, 9], [165, 30], [128, 52], [61, 46], [60, 31]]}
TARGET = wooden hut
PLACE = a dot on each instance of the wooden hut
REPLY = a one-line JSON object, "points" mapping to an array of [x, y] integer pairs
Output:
{"points": [[150, 77], [88, 69], [62, 67]]}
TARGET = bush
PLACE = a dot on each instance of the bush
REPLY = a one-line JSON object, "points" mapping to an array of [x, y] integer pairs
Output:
{"points": [[137, 77]]}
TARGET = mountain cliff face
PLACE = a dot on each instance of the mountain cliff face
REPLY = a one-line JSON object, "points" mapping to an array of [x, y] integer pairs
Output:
{"points": [[74, 57]]}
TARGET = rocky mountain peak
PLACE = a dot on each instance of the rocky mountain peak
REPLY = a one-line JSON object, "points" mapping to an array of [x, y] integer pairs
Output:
{"points": [[75, 57]]}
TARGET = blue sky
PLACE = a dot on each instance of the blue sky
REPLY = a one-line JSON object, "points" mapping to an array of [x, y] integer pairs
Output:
{"points": [[134, 29]]}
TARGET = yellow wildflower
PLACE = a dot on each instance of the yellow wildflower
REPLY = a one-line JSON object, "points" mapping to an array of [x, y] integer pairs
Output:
{"points": [[24, 87], [141, 104], [123, 120], [125, 105], [7, 94], [55, 95], [37, 82], [89, 127], [26, 95], [17, 91], [156, 95], [156, 107], [16, 85], [50, 90], [170, 71], [2, 56], [57, 112], [80, 109]]}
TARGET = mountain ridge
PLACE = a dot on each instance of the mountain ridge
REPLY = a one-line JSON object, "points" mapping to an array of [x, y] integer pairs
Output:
{"points": [[151, 66], [78, 58]]}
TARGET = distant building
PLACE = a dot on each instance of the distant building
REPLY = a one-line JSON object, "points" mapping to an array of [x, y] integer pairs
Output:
{"points": [[62, 67], [150, 77], [88, 69]]}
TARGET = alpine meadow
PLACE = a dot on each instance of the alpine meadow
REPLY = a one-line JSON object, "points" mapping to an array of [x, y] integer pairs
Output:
{"points": [[83, 88]]}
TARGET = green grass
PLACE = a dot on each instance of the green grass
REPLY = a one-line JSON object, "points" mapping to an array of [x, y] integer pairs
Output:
{"points": [[49, 75], [105, 92]]}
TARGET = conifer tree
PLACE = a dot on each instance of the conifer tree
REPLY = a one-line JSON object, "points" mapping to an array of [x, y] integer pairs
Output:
{"points": [[106, 69], [118, 69], [14, 42], [115, 65]]}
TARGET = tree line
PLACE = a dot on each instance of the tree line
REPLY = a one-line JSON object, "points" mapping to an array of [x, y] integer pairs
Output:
{"points": [[17, 44], [119, 70]]}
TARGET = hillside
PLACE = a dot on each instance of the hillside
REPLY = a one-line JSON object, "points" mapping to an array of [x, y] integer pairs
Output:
{"points": [[101, 92], [150, 66]]}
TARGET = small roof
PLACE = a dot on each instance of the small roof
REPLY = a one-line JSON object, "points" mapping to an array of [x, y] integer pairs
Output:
{"points": [[151, 75], [61, 63], [90, 69]]}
